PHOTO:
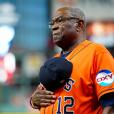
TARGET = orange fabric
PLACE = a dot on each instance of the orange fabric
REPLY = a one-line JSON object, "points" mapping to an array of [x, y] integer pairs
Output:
{"points": [[80, 95]]}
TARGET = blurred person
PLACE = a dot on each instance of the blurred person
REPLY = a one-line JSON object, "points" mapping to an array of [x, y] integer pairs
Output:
{"points": [[90, 88]]}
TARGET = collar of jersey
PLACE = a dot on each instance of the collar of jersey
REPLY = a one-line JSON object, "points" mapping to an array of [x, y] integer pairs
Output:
{"points": [[78, 49]]}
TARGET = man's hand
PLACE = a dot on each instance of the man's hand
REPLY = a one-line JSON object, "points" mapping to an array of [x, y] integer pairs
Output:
{"points": [[42, 98]]}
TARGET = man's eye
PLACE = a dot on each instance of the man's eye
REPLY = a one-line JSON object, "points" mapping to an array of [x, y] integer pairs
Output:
{"points": [[59, 19]]}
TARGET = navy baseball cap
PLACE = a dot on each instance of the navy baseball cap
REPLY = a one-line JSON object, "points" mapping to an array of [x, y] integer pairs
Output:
{"points": [[55, 73]]}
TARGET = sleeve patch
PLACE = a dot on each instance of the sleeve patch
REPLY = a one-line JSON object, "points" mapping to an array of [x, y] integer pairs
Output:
{"points": [[104, 78]]}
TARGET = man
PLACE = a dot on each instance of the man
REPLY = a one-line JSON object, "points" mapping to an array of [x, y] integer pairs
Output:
{"points": [[90, 89]]}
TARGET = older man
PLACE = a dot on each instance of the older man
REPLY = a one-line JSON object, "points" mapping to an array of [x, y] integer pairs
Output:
{"points": [[90, 89]]}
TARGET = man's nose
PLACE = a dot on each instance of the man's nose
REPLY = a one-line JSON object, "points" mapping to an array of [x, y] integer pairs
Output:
{"points": [[55, 27]]}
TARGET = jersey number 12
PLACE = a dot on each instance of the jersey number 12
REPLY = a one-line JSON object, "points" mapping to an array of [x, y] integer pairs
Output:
{"points": [[66, 106]]}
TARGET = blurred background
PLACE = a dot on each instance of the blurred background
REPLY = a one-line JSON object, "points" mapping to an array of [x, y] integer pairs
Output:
{"points": [[26, 42]]}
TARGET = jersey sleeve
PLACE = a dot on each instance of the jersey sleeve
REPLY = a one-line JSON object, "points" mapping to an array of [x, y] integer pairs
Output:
{"points": [[104, 76]]}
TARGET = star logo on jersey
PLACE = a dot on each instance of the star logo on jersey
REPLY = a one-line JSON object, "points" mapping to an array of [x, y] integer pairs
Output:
{"points": [[105, 78]]}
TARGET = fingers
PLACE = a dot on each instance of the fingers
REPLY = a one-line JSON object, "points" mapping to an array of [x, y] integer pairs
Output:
{"points": [[41, 101], [47, 104], [44, 92], [36, 101], [46, 96], [49, 92], [44, 104]]}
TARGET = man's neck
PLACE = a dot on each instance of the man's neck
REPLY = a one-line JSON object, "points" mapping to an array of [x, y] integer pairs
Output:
{"points": [[75, 44]]}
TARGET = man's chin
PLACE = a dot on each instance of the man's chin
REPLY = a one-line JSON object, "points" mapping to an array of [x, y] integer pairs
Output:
{"points": [[56, 39], [58, 42]]}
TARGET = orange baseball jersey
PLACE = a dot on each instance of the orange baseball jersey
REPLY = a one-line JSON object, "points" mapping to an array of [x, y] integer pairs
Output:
{"points": [[92, 77]]}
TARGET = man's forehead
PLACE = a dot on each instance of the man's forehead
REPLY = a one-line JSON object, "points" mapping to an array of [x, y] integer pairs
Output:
{"points": [[69, 12], [62, 13]]}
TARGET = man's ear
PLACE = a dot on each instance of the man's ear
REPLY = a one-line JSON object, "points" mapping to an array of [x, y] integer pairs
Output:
{"points": [[80, 25]]}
